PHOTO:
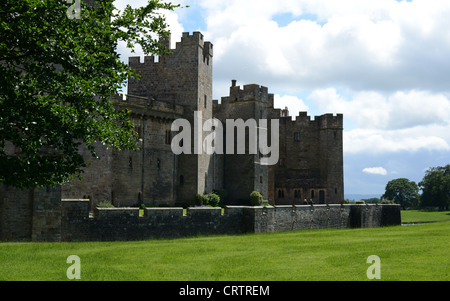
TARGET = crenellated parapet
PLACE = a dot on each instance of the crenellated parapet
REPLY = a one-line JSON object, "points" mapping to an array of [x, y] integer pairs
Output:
{"points": [[326, 121], [146, 106], [252, 92], [122, 224], [188, 40]]}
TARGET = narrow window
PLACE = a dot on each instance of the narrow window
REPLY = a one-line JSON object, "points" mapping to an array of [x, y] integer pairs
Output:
{"points": [[205, 102], [158, 164], [181, 180], [260, 179], [130, 163], [312, 194], [297, 137]]}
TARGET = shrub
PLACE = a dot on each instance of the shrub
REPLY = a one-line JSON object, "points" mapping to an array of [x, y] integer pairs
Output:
{"points": [[104, 204], [387, 202], [213, 199], [360, 202], [255, 198]]}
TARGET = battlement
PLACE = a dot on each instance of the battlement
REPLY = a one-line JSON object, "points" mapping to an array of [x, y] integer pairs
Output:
{"points": [[44, 216], [195, 39], [323, 121], [108, 224], [144, 105], [251, 92]]}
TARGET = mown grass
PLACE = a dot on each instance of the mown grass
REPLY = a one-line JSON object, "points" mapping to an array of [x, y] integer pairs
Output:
{"points": [[419, 216], [417, 252]]}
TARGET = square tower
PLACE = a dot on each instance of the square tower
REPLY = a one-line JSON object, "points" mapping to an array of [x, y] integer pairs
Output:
{"points": [[184, 78]]}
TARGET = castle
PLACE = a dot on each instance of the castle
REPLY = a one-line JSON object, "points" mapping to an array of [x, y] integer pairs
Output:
{"points": [[179, 86], [174, 86]]}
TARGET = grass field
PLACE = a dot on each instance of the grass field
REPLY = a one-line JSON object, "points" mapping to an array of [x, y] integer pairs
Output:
{"points": [[419, 252]]}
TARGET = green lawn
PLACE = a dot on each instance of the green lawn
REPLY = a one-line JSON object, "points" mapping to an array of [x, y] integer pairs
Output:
{"points": [[417, 252], [418, 216]]}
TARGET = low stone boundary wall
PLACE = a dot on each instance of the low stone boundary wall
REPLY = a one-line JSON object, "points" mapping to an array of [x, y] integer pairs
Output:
{"points": [[41, 215], [110, 224]]}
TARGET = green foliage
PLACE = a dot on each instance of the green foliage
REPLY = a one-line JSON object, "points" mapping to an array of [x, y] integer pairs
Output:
{"points": [[210, 199], [213, 199], [387, 202], [372, 201], [57, 76], [435, 187], [402, 191], [255, 198], [104, 204]]}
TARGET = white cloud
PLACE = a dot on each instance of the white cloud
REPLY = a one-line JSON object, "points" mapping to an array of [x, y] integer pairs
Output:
{"points": [[372, 110], [375, 171], [293, 103], [360, 44], [372, 141]]}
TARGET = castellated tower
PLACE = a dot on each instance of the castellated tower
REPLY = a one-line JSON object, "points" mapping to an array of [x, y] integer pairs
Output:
{"points": [[182, 78], [243, 173], [311, 160]]}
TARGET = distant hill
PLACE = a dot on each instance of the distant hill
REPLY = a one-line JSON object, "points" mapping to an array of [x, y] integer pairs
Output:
{"points": [[357, 197]]}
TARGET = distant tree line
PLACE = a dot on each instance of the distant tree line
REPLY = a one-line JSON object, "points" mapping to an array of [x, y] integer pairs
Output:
{"points": [[434, 188]]}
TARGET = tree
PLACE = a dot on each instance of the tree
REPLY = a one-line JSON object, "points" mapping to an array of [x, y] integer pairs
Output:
{"points": [[435, 187], [402, 191], [58, 71]]}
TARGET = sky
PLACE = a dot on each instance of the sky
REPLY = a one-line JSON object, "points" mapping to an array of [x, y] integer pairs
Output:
{"points": [[384, 64]]}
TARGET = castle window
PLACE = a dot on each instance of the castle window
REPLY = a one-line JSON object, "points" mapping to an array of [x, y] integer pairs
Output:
{"points": [[181, 180], [312, 194], [205, 102], [130, 163], [297, 137], [158, 164], [260, 179]]}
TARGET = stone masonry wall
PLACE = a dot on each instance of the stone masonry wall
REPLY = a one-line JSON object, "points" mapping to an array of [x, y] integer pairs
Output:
{"points": [[123, 224], [30, 214], [40, 215]]}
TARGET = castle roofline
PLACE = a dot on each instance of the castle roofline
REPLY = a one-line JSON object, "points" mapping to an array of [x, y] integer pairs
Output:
{"points": [[249, 92], [196, 39], [145, 106]]}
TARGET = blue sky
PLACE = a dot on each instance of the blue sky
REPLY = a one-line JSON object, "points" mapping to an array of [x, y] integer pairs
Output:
{"points": [[384, 64]]}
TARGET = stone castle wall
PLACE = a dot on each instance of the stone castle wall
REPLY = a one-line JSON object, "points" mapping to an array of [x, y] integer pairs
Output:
{"points": [[43, 216]]}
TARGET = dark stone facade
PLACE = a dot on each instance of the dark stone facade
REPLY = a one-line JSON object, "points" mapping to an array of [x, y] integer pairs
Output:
{"points": [[175, 86]]}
